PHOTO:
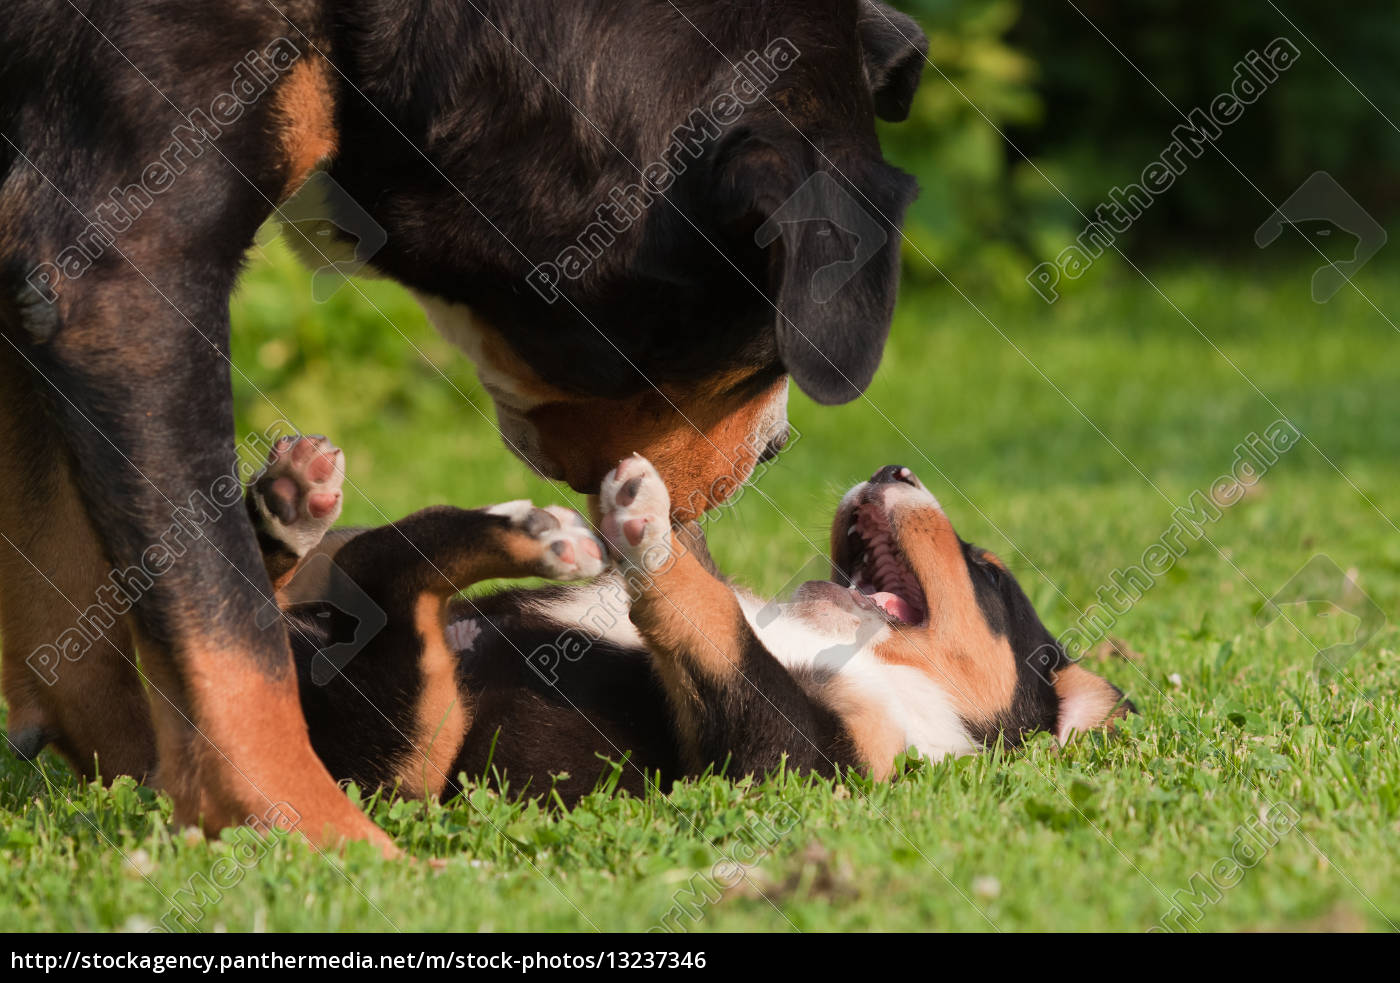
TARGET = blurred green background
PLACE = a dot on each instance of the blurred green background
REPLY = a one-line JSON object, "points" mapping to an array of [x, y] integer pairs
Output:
{"points": [[1031, 111]]}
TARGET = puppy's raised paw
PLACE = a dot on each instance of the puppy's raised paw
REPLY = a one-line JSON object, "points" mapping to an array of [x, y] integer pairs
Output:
{"points": [[637, 514], [298, 495], [562, 546]]}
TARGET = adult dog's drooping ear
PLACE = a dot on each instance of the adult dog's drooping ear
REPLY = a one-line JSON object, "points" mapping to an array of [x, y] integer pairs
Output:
{"points": [[895, 50], [830, 222], [829, 213]]}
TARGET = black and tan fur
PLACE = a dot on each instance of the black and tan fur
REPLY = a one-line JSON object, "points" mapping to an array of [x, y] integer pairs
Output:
{"points": [[481, 139]]}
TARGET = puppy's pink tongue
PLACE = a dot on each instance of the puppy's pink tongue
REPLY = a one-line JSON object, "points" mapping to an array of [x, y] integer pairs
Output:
{"points": [[895, 606]]}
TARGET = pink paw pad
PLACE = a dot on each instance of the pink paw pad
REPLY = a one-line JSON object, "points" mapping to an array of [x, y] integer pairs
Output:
{"points": [[634, 530], [636, 513], [303, 481]]}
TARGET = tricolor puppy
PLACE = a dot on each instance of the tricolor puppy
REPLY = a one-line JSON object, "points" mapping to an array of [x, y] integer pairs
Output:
{"points": [[919, 639]]}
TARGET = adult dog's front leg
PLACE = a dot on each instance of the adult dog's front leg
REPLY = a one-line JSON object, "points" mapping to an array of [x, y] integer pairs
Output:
{"points": [[144, 425], [733, 701], [70, 676]]}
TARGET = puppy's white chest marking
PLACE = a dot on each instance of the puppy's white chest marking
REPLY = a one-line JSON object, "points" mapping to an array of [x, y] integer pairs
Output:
{"points": [[601, 608], [917, 706]]}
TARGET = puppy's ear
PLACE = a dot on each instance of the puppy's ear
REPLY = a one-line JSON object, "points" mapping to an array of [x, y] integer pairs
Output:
{"points": [[1087, 701], [833, 259], [894, 50]]}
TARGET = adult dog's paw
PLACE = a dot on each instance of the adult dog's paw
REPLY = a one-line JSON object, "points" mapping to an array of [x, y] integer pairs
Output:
{"points": [[637, 514], [559, 543], [298, 495]]}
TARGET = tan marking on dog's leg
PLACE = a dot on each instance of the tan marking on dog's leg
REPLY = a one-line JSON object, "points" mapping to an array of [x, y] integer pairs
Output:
{"points": [[177, 772], [69, 670], [252, 755], [692, 623], [305, 115], [299, 585], [280, 570], [685, 701], [441, 719], [682, 609], [694, 628], [685, 613]]}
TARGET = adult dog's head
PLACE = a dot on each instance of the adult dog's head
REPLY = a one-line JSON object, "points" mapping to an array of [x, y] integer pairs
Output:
{"points": [[640, 218]]}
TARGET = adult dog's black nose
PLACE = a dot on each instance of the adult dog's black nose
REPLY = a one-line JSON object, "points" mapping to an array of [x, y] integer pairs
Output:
{"points": [[891, 473]]}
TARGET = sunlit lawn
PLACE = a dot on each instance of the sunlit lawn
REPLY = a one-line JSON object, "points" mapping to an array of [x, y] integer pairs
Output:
{"points": [[1061, 436]]}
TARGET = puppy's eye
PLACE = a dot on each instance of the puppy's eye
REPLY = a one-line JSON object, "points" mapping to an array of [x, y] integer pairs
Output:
{"points": [[992, 573]]}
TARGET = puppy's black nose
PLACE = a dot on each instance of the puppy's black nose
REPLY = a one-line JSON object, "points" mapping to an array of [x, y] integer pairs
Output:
{"points": [[893, 472], [775, 445]]}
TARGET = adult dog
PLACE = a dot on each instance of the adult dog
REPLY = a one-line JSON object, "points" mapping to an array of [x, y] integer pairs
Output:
{"points": [[146, 141]]}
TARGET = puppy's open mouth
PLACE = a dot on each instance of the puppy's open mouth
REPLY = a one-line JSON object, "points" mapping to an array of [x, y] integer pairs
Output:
{"points": [[870, 562]]}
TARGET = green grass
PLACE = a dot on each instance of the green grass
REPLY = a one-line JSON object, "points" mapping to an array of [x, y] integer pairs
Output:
{"points": [[1070, 474]]}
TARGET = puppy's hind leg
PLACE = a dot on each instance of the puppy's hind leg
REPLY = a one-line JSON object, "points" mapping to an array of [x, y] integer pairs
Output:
{"points": [[442, 551], [404, 685]]}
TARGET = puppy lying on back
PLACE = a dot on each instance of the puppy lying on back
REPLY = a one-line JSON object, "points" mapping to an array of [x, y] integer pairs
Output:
{"points": [[919, 639]]}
